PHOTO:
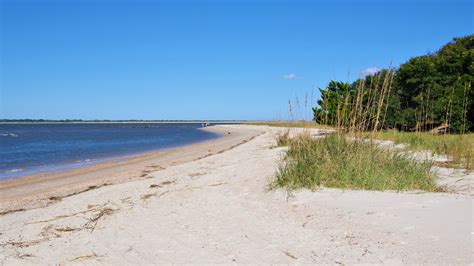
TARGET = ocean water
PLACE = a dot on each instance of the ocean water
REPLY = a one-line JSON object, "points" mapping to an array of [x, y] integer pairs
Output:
{"points": [[34, 148]]}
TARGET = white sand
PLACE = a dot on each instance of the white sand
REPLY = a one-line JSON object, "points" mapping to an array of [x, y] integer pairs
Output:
{"points": [[218, 210]]}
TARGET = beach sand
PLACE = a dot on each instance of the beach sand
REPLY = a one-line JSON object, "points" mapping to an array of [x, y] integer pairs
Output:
{"points": [[38, 190], [218, 209]]}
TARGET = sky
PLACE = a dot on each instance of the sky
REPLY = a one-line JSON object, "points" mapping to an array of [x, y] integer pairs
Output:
{"points": [[204, 59]]}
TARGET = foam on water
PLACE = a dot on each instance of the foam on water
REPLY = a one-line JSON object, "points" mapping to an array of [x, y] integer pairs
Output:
{"points": [[9, 135], [13, 170]]}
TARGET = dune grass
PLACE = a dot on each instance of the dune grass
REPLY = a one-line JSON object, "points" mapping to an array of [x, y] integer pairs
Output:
{"points": [[458, 148], [334, 161], [283, 138]]}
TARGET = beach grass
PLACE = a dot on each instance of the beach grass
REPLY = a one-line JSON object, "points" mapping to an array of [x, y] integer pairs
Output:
{"points": [[334, 161], [459, 148], [283, 138]]}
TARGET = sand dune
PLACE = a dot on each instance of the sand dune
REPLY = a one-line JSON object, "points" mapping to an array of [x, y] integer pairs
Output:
{"points": [[217, 209]]}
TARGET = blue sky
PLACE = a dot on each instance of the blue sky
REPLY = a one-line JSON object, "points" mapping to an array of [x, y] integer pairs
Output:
{"points": [[203, 60]]}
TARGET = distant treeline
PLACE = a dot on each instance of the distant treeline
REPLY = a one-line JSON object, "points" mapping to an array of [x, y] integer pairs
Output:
{"points": [[428, 92], [109, 121]]}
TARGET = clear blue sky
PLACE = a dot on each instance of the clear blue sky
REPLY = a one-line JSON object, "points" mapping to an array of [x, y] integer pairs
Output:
{"points": [[203, 60]]}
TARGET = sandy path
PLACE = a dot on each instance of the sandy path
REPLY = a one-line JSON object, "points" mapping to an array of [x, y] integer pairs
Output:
{"points": [[217, 210]]}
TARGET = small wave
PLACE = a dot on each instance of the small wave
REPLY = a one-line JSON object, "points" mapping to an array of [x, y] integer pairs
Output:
{"points": [[14, 170], [83, 161], [9, 135]]}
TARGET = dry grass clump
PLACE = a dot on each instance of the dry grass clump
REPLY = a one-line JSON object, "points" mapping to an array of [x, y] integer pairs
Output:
{"points": [[458, 147], [92, 223], [283, 138], [336, 162]]}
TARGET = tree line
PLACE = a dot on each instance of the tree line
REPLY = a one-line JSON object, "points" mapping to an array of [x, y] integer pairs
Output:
{"points": [[426, 93]]}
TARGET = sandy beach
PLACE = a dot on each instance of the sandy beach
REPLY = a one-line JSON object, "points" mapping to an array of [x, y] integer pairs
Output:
{"points": [[210, 203], [38, 190]]}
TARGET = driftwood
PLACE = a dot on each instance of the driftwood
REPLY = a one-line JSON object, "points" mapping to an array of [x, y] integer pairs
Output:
{"points": [[441, 129]]}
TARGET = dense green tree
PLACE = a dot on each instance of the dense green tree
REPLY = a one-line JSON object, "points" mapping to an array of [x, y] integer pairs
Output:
{"points": [[332, 101], [426, 92], [360, 105]]}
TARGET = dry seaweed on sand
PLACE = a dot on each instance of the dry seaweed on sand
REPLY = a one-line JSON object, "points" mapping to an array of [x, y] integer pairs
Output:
{"points": [[92, 223]]}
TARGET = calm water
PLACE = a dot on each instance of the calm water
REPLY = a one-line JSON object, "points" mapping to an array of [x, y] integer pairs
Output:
{"points": [[33, 148]]}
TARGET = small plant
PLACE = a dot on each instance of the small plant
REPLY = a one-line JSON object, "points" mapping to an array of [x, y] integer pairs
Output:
{"points": [[283, 138]]}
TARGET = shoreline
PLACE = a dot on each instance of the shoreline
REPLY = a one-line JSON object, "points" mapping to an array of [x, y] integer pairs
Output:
{"points": [[40, 189], [71, 164]]}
